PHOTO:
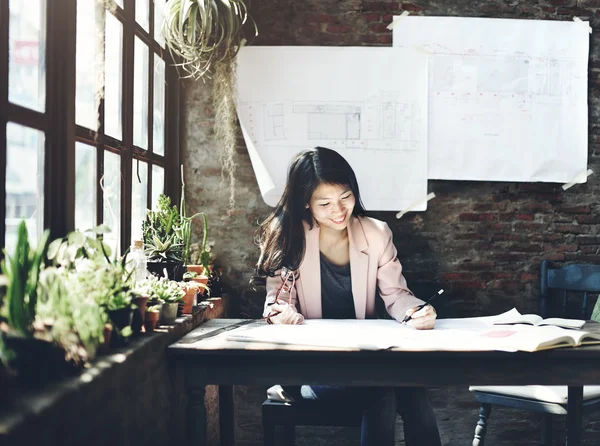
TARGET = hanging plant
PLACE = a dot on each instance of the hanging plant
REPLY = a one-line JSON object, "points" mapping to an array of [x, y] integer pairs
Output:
{"points": [[204, 37], [202, 33]]}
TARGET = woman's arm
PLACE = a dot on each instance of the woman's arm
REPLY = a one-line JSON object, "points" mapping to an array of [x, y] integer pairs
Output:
{"points": [[391, 283], [287, 294]]}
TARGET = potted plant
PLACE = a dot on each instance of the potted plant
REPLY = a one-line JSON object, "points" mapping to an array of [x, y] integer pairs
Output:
{"points": [[194, 263], [151, 318], [170, 293], [77, 321], [98, 288], [29, 346], [207, 34], [191, 288], [162, 243]]}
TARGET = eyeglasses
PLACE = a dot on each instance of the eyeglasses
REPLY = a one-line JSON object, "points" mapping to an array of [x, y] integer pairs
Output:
{"points": [[286, 275]]}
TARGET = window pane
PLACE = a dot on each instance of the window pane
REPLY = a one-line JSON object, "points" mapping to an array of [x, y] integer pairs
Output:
{"points": [[112, 92], [24, 182], [158, 135], [27, 49], [139, 189], [85, 103], [158, 183], [159, 6], [140, 95], [142, 14], [119, 2], [112, 199], [85, 186]]}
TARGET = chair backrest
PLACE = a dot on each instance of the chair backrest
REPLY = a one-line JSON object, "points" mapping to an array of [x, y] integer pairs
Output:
{"points": [[582, 280]]}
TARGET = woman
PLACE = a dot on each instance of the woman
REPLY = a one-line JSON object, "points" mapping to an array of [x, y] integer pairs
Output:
{"points": [[323, 258]]}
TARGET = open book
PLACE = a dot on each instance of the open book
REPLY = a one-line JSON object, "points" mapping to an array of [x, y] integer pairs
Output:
{"points": [[532, 339], [514, 317]]}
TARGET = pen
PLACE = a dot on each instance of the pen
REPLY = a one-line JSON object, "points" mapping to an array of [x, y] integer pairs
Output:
{"points": [[408, 318]]}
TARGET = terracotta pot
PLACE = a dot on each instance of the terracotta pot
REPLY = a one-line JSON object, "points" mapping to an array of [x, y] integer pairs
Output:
{"points": [[189, 300], [151, 320], [107, 333], [138, 313], [199, 269]]}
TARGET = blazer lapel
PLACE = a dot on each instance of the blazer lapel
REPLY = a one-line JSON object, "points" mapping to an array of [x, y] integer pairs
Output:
{"points": [[310, 274], [359, 266]]}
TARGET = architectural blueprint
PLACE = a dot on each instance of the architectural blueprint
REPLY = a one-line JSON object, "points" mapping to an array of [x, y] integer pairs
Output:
{"points": [[507, 98], [369, 104]]}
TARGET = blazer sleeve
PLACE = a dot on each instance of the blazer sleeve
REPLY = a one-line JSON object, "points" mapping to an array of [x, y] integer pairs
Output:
{"points": [[390, 281], [273, 285]]}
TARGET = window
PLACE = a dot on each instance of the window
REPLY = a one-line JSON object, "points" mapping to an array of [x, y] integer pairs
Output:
{"points": [[84, 119]]}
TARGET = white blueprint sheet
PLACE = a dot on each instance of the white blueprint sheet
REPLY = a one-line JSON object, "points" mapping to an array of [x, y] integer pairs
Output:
{"points": [[507, 98], [353, 100]]}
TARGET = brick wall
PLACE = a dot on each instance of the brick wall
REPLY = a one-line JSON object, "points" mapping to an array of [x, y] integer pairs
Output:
{"points": [[481, 241]]}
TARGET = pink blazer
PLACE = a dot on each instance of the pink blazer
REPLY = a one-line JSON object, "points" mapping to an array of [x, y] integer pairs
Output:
{"points": [[373, 263]]}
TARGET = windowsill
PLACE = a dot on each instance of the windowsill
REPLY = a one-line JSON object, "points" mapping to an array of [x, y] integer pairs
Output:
{"points": [[104, 370]]}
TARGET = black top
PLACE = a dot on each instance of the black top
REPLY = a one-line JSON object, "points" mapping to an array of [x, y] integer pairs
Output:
{"points": [[336, 291]]}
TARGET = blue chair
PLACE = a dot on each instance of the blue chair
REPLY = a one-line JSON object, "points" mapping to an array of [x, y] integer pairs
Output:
{"points": [[573, 281]]}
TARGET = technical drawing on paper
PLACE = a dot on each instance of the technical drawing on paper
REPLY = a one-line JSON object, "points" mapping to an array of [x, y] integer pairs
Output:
{"points": [[503, 106], [295, 98]]}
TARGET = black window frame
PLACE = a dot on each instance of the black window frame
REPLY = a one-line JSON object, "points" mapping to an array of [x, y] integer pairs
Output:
{"points": [[58, 120]]}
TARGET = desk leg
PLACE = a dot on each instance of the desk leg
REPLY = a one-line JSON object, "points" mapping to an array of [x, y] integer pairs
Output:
{"points": [[226, 416], [196, 417], [574, 416]]}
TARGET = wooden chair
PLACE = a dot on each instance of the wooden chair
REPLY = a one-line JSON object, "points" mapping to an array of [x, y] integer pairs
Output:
{"points": [[304, 413], [578, 280]]}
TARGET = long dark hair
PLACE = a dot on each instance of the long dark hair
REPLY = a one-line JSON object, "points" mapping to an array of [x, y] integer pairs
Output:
{"points": [[281, 236]]}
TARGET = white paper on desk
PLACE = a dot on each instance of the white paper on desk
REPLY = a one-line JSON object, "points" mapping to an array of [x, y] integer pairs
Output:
{"points": [[369, 104], [507, 98], [460, 335]]}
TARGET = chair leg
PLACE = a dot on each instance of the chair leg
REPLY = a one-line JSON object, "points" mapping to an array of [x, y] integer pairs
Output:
{"points": [[547, 430], [269, 434], [289, 435], [481, 428]]}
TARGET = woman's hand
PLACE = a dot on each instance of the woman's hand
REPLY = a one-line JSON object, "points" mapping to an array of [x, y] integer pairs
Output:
{"points": [[284, 314], [423, 319]]}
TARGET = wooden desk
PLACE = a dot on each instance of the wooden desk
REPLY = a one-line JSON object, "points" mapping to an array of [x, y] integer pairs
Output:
{"points": [[207, 357]]}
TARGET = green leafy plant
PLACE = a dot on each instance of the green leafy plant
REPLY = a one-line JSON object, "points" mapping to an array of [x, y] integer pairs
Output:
{"points": [[190, 275], [184, 230], [89, 245], [162, 232], [75, 317], [22, 270], [160, 289], [164, 251]]}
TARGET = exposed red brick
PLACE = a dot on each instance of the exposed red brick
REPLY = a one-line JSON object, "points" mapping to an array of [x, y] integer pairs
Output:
{"points": [[338, 29], [526, 217], [371, 17], [588, 239], [571, 209], [320, 18], [411, 7], [573, 229], [379, 6], [555, 257], [467, 216], [456, 276], [379, 28]]}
